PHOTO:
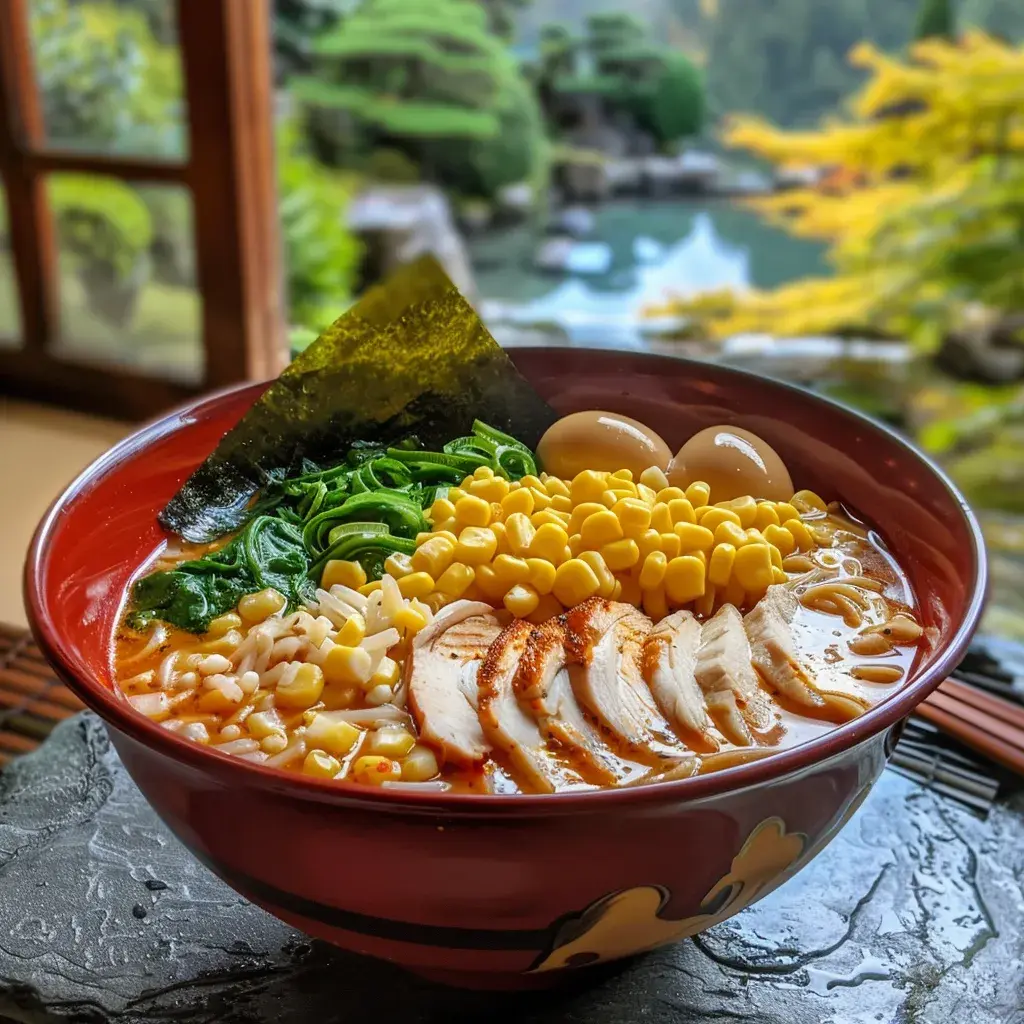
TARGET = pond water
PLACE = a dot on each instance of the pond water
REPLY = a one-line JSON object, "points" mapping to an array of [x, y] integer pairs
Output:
{"points": [[651, 249]]}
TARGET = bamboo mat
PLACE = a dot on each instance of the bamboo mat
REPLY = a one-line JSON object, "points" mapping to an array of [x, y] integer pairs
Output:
{"points": [[32, 699]]}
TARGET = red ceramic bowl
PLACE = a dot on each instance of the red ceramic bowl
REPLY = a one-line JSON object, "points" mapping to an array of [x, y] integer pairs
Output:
{"points": [[498, 890]]}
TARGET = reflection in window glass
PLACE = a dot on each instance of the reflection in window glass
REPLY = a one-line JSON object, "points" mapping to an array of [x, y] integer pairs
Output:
{"points": [[127, 279], [110, 75], [10, 316]]}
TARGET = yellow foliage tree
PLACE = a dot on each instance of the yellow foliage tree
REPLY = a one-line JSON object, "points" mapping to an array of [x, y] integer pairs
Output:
{"points": [[922, 201]]}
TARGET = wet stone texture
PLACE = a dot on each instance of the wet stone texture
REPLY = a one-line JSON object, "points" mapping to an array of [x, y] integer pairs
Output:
{"points": [[914, 914]]}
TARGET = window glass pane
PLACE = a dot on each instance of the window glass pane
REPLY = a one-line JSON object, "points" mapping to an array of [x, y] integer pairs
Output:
{"points": [[110, 75], [10, 314], [127, 276]]}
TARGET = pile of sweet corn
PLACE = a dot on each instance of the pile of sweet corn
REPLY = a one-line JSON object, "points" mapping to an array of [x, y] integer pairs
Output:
{"points": [[541, 544]]}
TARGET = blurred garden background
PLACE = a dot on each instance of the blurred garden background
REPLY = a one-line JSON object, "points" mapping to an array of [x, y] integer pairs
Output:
{"points": [[830, 191]]}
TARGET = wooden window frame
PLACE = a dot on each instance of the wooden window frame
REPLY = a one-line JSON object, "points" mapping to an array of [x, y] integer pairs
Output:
{"points": [[229, 172]]}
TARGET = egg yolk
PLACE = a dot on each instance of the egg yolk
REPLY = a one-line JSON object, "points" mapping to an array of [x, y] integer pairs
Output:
{"points": [[733, 462], [603, 442]]}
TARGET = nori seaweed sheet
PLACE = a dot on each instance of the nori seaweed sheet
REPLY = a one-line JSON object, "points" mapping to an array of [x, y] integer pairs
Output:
{"points": [[411, 358]]}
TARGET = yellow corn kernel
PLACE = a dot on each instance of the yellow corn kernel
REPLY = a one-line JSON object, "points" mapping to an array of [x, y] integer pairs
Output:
{"points": [[809, 500], [420, 765], [733, 593], [653, 572], [455, 580], [539, 519], [648, 542], [489, 488], [745, 507], [390, 741], [801, 535], [588, 486], [661, 518], [455, 494], [622, 474], [693, 537], [781, 539], [436, 601], [416, 584], [684, 579], [620, 554], [372, 770], [648, 495], [776, 556], [520, 500], [303, 689], [504, 545], [398, 564], [541, 498], [368, 588], [582, 512], [606, 580], [557, 488], [766, 515], [630, 592], [214, 702], [561, 503], [729, 533], [716, 516], [671, 544], [510, 570], [410, 619], [352, 633], [720, 565], [575, 545], [705, 604], [600, 528], [481, 473], [339, 571], [785, 511], [542, 575], [614, 495], [698, 493], [223, 624], [634, 515], [320, 765], [779, 575], [549, 543], [701, 510], [262, 724], [753, 536], [387, 672], [575, 581], [487, 580], [441, 509], [347, 666], [667, 494], [434, 556], [259, 606], [681, 511], [701, 555], [752, 567], [476, 545], [472, 511], [654, 477], [520, 532], [655, 603], [547, 608], [522, 600]]}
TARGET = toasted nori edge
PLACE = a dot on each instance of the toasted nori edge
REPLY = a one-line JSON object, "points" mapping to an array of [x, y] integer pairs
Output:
{"points": [[411, 358]]}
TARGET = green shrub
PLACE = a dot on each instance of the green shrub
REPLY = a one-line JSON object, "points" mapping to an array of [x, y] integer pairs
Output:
{"points": [[673, 107]]}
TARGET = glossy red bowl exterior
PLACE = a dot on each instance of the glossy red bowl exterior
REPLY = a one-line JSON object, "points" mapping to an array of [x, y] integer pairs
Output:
{"points": [[492, 890]]}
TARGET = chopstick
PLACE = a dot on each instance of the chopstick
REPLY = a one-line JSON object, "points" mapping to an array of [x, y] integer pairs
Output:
{"points": [[987, 724]]}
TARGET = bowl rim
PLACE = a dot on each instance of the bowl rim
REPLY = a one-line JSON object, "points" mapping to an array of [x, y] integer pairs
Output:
{"points": [[117, 713]]}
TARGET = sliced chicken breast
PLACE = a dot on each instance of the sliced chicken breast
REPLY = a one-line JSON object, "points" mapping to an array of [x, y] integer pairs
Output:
{"points": [[507, 725], [775, 655], [727, 678], [441, 676], [544, 690], [606, 639], [669, 664]]}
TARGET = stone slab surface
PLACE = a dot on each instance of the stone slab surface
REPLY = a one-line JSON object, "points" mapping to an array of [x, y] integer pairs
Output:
{"points": [[914, 915]]}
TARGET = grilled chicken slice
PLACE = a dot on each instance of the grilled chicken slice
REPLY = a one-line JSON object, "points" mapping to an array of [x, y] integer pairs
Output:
{"points": [[441, 675], [669, 663], [507, 725], [544, 690], [607, 640], [727, 678], [774, 652]]}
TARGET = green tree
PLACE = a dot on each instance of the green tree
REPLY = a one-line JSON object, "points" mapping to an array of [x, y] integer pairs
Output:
{"points": [[936, 19], [427, 78], [501, 15], [297, 24]]}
